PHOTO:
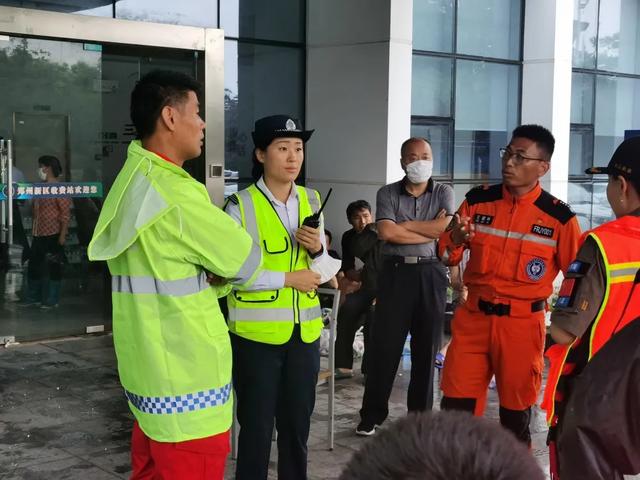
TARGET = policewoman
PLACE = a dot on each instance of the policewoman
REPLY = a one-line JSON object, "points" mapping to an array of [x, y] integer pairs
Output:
{"points": [[598, 299], [275, 325]]}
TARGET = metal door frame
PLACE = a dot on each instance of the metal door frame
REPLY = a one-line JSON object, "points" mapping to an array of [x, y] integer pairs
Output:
{"points": [[81, 28]]}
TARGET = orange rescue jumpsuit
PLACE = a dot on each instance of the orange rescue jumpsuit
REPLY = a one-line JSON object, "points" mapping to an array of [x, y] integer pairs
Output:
{"points": [[520, 245]]}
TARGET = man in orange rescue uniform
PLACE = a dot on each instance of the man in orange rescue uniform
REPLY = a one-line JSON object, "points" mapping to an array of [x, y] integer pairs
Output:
{"points": [[519, 237]]}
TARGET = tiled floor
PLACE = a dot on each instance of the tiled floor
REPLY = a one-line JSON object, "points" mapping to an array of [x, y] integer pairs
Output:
{"points": [[63, 415]]}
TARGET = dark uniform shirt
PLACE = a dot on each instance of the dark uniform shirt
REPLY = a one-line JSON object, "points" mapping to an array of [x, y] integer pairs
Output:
{"points": [[367, 247], [395, 203], [589, 293]]}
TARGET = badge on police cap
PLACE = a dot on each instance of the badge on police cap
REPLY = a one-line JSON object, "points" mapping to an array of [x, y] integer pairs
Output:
{"points": [[535, 269], [290, 125]]}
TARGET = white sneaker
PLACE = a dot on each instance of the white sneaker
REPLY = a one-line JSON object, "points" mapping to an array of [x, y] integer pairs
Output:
{"points": [[366, 429]]}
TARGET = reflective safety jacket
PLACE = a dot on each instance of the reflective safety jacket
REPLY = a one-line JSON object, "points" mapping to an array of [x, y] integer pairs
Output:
{"points": [[520, 244], [268, 316], [159, 234], [619, 245]]}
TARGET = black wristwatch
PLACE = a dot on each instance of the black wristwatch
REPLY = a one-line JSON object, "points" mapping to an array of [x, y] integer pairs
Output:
{"points": [[317, 254]]}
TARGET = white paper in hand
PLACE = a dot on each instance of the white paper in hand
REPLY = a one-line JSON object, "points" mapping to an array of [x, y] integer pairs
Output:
{"points": [[327, 267]]}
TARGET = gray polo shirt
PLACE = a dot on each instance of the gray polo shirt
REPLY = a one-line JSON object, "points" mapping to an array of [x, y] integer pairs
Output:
{"points": [[395, 203]]}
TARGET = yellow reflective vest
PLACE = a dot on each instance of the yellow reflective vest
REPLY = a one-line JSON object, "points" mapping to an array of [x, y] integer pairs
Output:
{"points": [[268, 316], [159, 234]]}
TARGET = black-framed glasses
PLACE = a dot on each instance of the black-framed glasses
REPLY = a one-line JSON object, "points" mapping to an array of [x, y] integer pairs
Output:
{"points": [[518, 158]]}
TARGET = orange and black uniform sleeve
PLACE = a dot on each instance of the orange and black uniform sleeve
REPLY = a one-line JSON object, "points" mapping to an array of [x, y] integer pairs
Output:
{"points": [[447, 251]]}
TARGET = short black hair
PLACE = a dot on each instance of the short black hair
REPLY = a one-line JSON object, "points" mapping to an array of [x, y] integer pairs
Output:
{"points": [[257, 167], [51, 162], [356, 206], [329, 235], [411, 140], [443, 446], [153, 92], [537, 133]]}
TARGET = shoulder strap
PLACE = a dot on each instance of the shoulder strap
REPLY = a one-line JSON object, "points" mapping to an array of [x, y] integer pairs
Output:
{"points": [[484, 194], [554, 207]]}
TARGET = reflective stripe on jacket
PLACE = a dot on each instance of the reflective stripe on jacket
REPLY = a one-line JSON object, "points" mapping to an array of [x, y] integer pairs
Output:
{"points": [[520, 245], [618, 245], [268, 316], [159, 234]]}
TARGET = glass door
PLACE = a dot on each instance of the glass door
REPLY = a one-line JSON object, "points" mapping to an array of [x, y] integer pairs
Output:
{"points": [[65, 109]]}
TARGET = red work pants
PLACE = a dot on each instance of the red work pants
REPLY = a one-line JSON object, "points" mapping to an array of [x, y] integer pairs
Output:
{"points": [[201, 459]]}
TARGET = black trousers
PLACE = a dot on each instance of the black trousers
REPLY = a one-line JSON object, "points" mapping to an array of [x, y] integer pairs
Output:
{"points": [[38, 263], [355, 311], [411, 298], [274, 381]]}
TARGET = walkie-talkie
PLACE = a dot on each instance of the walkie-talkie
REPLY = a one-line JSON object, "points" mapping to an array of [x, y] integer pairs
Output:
{"points": [[313, 221]]}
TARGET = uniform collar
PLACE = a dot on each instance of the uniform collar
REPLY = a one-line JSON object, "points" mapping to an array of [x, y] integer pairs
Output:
{"points": [[136, 148], [529, 197], [263, 186], [164, 157], [403, 186]]}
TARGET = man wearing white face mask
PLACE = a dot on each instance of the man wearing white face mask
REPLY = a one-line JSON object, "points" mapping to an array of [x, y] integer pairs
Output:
{"points": [[412, 285]]}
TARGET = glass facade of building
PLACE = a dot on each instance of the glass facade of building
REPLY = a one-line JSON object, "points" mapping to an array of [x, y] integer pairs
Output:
{"points": [[605, 96], [264, 57], [466, 83], [70, 98]]}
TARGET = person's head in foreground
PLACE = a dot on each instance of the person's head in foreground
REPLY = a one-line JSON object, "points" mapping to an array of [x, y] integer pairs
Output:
{"points": [[443, 446]]}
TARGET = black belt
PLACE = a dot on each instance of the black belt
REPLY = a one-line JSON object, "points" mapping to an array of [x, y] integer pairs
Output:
{"points": [[411, 260], [503, 309]]}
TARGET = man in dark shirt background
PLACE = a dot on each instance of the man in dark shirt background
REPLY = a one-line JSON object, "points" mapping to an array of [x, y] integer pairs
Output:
{"points": [[360, 242]]}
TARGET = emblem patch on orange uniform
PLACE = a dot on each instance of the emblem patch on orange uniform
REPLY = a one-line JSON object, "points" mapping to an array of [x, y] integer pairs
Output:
{"points": [[536, 268]]}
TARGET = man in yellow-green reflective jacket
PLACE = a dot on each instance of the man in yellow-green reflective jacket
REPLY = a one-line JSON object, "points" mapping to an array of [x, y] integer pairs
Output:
{"points": [[163, 240]]}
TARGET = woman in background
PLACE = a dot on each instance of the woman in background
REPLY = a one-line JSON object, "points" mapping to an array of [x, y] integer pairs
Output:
{"points": [[50, 227]]}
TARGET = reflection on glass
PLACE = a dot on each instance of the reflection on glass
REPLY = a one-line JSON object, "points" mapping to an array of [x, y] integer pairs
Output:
{"points": [[196, 13], [582, 97], [460, 190], [69, 100], [580, 150], [433, 25], [49, 86], [95, 8], [439, 136], [589, 201], [282, 20], [490, 28], [579, 197], [486, 113], [585, 30], [617, 110], [619, 36], [431, 86], [260, 80], [52, 105], [601, 210]]}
